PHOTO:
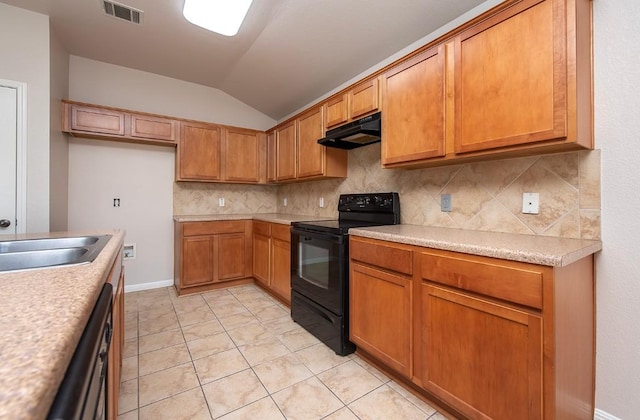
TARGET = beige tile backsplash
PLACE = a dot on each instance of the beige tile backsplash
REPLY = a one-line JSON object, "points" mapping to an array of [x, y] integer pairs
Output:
{"points": [[485, 196]]}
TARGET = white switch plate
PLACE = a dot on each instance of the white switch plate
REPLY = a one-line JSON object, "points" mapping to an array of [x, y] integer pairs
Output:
{"points": [[221, 201], [530, 203], [321, 203], [284, 202], [445, 202]]}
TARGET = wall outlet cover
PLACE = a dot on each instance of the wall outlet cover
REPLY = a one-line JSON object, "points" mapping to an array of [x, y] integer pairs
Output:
{"points": [[445, 202], [530, 203]]}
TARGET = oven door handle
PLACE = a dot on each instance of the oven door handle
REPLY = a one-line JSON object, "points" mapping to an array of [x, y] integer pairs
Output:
{"points": [[316, 235]]}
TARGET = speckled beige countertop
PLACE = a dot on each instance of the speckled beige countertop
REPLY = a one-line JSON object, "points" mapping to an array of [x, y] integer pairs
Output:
{"points": [[43, 313], [542, 250], [282, 218]]}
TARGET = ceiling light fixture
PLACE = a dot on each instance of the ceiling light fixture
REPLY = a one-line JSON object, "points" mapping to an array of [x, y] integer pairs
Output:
{"points": [[221, 16]]}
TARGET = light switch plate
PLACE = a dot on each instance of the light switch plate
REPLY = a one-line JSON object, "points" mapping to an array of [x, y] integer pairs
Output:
{"points": [[530, 203], [445, 202]]}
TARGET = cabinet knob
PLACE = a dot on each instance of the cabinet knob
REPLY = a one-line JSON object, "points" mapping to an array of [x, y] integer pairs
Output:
{"points": [[5, 223]]}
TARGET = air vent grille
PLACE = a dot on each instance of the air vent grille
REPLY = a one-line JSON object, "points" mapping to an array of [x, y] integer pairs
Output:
{"points": [[120, 11]]}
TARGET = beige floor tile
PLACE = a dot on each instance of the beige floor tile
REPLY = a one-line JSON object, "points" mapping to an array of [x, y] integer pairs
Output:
{"points": [[385, 403], [131, 415], [219, 299], [160, 385], [297, 339], [209, 345], [438, 416], [249, 334], [238, 320], [219, 365], [429, 410], [319, 358], [129, 368], [202, 330], [342, 414], [349, 381], [189, 303], [296, 402], [281, 325], [196, 316], [282, 372], [130, 348], [163, 359], [159, 340], [150, 315], [128, 398], [270, 312], [264, 409], [130, 331], [257, 303], [189, 405], [372, 370], [233, 392], [154, 304], [263, 351], [161, 323], [226, 310]]}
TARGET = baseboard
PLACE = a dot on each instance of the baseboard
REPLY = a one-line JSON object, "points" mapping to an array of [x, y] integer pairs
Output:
{"points": [[603, 415], [147, 286]]}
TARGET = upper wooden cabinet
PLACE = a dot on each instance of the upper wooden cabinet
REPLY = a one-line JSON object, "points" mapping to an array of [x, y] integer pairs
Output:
{"points": [[517, 82], [272, 157], [286, 152], [413, 95], [93, 121], [311, 159], [360, 100], [244, 154]]}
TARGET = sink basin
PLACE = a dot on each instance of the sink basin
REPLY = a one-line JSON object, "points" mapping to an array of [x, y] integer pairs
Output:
{"points": [[49, 252]]}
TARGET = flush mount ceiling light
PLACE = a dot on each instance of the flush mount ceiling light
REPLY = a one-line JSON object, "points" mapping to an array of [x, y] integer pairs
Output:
{"points": [[221, 16]]}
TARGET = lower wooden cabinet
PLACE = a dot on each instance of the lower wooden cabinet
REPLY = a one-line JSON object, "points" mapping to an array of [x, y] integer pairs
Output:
{"points": [[485, 337], [272, 258], [211, 253], [116, 278]]}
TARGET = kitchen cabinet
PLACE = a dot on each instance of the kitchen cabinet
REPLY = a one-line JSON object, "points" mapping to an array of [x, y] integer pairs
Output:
{"points": [[311, 160], [359, 101], [380, 303], [487, 337], [272, 258], [211, 254], [271, 156], [244, 154], [94, 121], [286, 152], [116, 278], [414, 107], [199, 153]]}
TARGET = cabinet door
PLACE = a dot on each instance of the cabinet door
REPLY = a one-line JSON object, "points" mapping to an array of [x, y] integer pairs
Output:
{"points": [[243, 157], [363, 98], [230, 256], [97, 120], [157, 128], [286, 152], [261, 252], [197, 257], [413, 121], [510, 79], [481, 357], [199, 153], [380, 316], [311, 155], [271, 156], [336, 111], [281, 261]]}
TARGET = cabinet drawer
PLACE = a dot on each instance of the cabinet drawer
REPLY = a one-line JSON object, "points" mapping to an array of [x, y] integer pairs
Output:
{"points": [[212, 228], [522, 285], [282, 232], [391, 257], [262, 228]]}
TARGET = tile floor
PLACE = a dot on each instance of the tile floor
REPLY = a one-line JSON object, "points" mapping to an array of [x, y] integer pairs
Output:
{"points": [[236, 354]]}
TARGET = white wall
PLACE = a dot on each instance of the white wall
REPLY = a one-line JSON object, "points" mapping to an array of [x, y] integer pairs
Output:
{"points": [[24, 52], [617, 129], [141, 176], [59, 145]]}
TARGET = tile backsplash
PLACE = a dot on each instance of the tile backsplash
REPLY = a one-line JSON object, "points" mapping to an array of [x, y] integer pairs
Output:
{"points": [[485, 196]]}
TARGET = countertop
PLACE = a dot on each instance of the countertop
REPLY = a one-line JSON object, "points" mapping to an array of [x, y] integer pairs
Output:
{"points": [[282, 218], [535, 249], [43, 313]]}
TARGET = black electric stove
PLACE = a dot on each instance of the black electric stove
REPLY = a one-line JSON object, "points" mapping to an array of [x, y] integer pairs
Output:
{"points": [[320, 265]]}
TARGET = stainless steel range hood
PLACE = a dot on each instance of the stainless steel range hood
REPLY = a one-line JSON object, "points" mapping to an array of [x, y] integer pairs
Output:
{"points": [[354, 134]]}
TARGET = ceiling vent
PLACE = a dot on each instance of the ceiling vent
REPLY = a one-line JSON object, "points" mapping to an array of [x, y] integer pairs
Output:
{"points": [[121, 11]]}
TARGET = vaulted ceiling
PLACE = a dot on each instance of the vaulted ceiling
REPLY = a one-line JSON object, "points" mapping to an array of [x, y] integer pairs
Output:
{"points": [[287, 53]]}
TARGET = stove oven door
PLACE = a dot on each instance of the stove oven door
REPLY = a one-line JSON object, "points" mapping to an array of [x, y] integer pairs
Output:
{"points": [[319, 267]]}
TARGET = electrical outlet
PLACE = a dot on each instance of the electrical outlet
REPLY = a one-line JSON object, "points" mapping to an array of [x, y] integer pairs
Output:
{"points": [[445, 202], [530, 203], [129, 251], [321, 203], [221, 201], [284, 201], [116, 202]]}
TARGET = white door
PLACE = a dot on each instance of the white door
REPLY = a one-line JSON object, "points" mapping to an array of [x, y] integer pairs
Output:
{"points": [[8, 158]]}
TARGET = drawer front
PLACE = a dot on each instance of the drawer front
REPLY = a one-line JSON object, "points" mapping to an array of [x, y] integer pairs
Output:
{"points": [[148, 127], [517, 284], [261, 228], [394, 257], [282, 232], [213, 228]]}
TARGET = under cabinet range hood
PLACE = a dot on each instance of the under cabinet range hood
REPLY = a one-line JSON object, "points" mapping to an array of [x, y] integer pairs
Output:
{"points": [[354, 134]]}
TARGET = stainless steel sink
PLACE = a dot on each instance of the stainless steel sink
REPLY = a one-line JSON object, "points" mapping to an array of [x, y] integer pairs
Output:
{"points": [[50, 252]]}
